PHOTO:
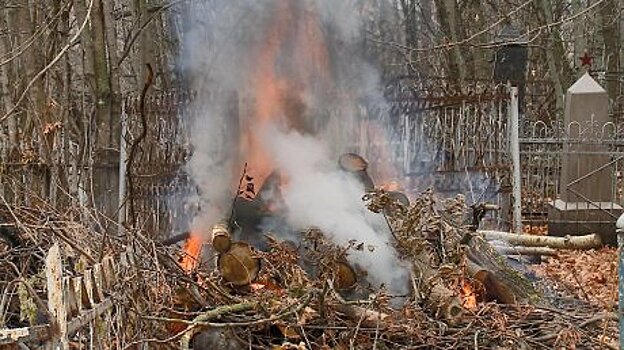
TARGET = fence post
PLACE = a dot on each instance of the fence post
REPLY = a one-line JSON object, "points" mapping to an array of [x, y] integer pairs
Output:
{"points": [[56, 299], [514, 148]]}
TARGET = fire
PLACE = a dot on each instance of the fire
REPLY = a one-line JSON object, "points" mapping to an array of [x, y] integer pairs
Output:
{"points": [[391, 186], [468, 295], [192, 249], [289, 63]]}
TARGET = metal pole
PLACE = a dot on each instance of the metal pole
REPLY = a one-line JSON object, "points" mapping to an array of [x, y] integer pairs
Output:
{"points": [[514, 148], [620, 240]]}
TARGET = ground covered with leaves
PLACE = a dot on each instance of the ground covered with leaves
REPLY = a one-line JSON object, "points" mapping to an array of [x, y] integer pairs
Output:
{"points": [[588, 275]]}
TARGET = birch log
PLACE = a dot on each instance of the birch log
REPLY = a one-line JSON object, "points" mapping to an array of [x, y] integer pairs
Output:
{"points": [[567, 242]]}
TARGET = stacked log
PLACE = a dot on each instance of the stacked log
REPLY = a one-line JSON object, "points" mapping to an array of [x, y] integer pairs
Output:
{"points": [[357, 166], [239, 265], [526, 240], [438, 240], [221, 238]]}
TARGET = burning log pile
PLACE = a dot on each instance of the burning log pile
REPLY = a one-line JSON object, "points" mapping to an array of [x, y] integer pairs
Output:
{"points": [[308, 294]]}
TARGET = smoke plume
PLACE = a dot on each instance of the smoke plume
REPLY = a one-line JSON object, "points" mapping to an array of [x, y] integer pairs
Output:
{"points": [[301, 79]]}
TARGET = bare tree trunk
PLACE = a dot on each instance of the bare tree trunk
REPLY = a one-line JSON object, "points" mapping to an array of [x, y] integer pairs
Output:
{"points": [[7, 82], [115, 89], [611, 38], [102, 78], [447, 16], [580, 40], [553, 39], [31, 111], [410, 16], [60, 175], [86, 44], [29, 61], [474, 13], [145, 42], [106, 158]]}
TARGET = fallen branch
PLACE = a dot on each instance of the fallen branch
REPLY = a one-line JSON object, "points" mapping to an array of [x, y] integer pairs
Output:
{"points": [[211, 315], [521, 250], [202, 320], [567, 242], [607, 316], [364, 316], [176, 238]]}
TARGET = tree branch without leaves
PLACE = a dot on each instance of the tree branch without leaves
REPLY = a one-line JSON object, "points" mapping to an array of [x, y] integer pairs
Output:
{"points": [[71, 43], [139, 139]]}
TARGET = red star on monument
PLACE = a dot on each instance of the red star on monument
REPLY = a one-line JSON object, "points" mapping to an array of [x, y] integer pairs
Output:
{"points": [[586, 60]]}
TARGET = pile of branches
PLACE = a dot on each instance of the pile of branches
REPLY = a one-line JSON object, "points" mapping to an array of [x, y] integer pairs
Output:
{"points": [[299, 299], [26, 234], [289, 306]]}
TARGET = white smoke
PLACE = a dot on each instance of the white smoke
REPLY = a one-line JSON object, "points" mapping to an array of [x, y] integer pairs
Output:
{"points": [[319, 194], [218, 54]]}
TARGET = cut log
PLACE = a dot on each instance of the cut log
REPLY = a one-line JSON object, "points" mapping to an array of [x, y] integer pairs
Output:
{"points": [[442, 301], [400, 197], [493, 289], [568, 242], [356, 165], [521, 250], [239, 265], [176, 238], [501, 281], [221, 238], [345, 277], [352, 162]]}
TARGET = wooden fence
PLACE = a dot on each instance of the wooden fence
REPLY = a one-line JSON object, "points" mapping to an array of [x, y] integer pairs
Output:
{"points": [[74, 302]]}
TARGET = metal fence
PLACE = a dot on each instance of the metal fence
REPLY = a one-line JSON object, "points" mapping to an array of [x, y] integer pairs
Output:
{"points": [[543, 149], [460, 143], [455, 142]]}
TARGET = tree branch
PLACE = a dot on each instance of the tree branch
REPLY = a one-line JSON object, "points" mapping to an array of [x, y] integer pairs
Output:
{"points": [[71, 43]]}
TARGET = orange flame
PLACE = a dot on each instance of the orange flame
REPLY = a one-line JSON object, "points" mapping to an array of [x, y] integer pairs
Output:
{"points": [[192, 250], [290, 62], [468, 295], [391, 186]]}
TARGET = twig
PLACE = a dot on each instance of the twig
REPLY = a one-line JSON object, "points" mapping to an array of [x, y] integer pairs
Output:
{"points": [[130, 42], [202, 320], [305, 336], [322, 296], [71, 43], [139, 139], [72, 244], [240, 186], [609, 316], [359, 324], [580, 286]]}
